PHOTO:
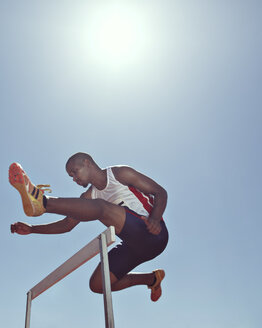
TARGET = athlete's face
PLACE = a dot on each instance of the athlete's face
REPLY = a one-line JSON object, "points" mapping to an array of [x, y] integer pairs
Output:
{"points": [[80, 172]]}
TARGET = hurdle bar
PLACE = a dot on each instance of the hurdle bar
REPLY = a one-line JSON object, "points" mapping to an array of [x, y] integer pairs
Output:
{"points": [[97, 245]]}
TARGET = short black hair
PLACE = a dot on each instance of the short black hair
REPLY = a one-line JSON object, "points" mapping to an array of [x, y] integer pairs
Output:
{"points": [[77, 157]]}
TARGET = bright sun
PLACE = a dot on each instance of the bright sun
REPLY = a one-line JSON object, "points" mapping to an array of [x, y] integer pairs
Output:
{"points": [[118, 37]]}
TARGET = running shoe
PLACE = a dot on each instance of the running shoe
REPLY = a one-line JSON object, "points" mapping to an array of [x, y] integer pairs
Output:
{"points": [[156, 290], [32, 196]]}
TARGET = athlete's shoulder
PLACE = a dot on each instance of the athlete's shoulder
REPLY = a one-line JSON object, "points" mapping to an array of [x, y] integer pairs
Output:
{"points": [[118, 167], [125, 174], [122, 170]]}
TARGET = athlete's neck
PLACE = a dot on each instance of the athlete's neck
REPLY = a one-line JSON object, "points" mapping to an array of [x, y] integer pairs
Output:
{"points": [[100, 179]]}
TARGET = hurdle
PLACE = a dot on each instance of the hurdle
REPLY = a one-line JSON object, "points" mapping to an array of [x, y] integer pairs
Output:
{"points": [[97, 245]]}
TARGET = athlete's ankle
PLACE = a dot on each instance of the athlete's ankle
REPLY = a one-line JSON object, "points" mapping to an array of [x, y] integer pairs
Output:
{"points": [[44, 201], [153, 280]]}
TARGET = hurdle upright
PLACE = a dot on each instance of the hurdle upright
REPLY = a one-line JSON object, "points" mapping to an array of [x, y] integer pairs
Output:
{"points": [[97, 245]]}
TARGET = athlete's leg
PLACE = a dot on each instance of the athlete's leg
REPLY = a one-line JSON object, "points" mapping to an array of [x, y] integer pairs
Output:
{"points": [[134, 279], [137, 246], [88, 210], [129, 280], [35, 203], [152, 280]]}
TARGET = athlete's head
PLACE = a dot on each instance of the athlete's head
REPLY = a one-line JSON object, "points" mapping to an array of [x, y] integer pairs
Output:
{"points": [[79, 166]]}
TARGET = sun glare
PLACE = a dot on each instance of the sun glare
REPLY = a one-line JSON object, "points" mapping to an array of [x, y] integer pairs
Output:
{"points": [[117, 37]]}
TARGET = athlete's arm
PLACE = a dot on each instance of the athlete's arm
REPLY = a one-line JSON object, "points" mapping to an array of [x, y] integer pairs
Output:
{"points": [[87, 194], [61, 226], [130, 177]]}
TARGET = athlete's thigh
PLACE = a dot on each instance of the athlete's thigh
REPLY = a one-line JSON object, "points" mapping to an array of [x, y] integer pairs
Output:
{"points": [[114, 215], [122, 259]]}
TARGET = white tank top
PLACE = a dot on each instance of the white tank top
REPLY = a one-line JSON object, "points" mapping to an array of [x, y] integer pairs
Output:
{"points": [[119, 194]]}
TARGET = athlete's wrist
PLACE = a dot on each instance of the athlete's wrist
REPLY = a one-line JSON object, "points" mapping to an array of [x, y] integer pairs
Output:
{"points": [[33, 229], [156, 219]]}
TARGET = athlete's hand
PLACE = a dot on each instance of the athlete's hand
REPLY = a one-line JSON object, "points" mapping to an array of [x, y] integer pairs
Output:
{"points": [[153, 225], [21, 228]]}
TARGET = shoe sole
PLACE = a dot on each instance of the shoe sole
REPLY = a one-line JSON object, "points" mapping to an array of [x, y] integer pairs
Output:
{"points": [[17, 180], [160, 275]]}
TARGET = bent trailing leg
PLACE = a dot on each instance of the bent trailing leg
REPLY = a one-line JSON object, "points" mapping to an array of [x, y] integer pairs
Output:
{"points": [[152, 280]]}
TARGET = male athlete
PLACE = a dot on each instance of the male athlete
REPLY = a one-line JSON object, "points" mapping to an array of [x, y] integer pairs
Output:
{"points": [[118, 196]]}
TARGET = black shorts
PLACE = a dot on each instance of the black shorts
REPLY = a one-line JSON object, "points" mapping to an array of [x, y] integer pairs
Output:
{"points": [[138, 245]]}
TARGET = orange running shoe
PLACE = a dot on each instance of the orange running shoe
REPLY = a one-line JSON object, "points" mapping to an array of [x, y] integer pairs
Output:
{"points": [[32, 196], [156, 290]]}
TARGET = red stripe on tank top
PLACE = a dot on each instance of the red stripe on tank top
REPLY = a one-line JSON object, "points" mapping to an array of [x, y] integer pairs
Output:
{"points": [[146, 201], [142, 198]]}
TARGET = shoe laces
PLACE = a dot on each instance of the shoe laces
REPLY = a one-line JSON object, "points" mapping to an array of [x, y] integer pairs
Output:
{"points": [[41, 186]]}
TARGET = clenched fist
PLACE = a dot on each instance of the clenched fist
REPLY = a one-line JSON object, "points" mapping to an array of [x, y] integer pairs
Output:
{"points": [[21, 228]]}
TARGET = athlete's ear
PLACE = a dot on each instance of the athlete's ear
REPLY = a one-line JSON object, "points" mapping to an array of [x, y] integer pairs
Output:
{"points": [[86, 162]]}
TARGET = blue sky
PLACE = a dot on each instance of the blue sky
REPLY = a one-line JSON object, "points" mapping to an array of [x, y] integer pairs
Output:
{"points": [[171, 88]]}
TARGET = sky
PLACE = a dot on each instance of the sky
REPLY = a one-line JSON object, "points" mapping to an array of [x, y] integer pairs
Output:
{"points": [[171, 88]]}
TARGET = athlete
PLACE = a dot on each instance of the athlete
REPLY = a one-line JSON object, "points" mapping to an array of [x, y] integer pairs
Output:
{"points": [[118, 196]]}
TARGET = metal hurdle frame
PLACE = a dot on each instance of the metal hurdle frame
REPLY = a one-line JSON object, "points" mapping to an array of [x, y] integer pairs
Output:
{"points": [[97, 245]]}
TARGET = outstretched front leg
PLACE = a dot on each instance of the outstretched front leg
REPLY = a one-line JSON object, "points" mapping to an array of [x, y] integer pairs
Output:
{"points": [[35, 203]]}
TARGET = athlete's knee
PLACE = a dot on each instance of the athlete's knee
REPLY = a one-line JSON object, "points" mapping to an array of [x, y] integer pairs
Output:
{"points": [[95, 288], [95, 284]]}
